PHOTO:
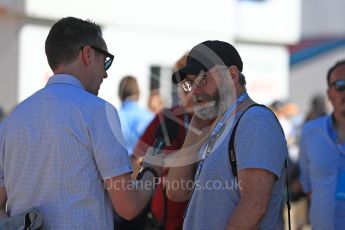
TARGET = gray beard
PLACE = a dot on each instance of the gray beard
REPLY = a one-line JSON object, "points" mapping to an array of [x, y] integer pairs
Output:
{"points": [[206, 113], [217, 107]]}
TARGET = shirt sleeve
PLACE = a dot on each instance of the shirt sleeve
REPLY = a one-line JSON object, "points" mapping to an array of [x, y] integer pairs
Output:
{"points": [[304, 163], [108, 143], [260, 142]]}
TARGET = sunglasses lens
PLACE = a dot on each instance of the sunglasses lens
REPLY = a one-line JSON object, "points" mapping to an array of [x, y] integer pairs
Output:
{"points": [[108, 63], [340, 88], [339, 85], [187, 86]]}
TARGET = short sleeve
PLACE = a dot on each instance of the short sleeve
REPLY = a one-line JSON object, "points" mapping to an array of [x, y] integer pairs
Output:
{"points": [[260, 142], [108, 144]]}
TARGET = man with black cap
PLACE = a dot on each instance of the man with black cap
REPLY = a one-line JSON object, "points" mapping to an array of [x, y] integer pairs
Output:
{"points": [[246, 191]]}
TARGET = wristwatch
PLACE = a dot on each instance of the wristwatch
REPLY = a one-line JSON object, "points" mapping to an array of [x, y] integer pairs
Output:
{"points": [[143, 170]]}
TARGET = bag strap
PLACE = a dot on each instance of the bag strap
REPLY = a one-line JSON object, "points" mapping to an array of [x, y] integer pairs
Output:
{"points": [[232, 157], [232, 154]]}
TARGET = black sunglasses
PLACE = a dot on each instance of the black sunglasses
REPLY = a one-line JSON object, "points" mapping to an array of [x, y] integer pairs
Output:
{"points": [[108, 56], [338, 85]]}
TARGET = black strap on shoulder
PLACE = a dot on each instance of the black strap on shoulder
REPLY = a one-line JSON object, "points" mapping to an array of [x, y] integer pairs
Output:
{"points": [[232, 157], [232, 154]]}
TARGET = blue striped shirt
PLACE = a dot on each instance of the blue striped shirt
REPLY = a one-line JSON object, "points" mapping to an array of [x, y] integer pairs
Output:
{"points": [[56, 148]]}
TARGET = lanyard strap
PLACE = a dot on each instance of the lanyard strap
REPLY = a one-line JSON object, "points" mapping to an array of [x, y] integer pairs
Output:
{"points": [[186, 121]]}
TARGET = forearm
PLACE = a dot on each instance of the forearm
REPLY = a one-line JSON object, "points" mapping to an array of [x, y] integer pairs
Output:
{"points": [[180, 178], [247, 216], [128, 196], [178, 182], [144, 189], [255, 189]]}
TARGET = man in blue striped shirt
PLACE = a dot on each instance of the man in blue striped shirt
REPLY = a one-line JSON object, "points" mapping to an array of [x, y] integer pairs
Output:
{"points": [[61, 150]]}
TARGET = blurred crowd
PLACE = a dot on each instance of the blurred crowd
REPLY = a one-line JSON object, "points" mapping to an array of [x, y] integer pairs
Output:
{"points": [[39, 145]]}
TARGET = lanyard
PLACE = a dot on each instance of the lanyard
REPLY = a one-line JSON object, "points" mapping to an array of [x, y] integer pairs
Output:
{"points": [[333, 134], [227, 114], [219, 128], [217, 131], [186, 122]]}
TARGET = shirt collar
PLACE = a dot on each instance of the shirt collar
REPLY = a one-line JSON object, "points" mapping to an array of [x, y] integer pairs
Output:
{"points": [[65, 79]]}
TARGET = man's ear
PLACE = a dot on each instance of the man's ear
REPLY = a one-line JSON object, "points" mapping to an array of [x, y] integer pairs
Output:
{"points": [[86, 54], [234, 73]]}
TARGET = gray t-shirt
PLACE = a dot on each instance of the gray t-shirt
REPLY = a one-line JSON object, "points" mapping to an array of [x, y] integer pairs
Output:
{"points": [[259, 143]]}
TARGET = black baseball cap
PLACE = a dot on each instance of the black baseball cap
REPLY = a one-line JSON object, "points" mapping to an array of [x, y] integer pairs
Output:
{"points": [[206, 55]]}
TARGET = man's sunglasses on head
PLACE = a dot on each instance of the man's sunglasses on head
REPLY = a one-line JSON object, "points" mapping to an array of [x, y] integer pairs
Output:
{"points": [[338, 85]]}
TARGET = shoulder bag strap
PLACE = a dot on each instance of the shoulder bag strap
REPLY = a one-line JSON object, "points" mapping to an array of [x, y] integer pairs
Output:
{"points": [[232, 154], [232, 157]]}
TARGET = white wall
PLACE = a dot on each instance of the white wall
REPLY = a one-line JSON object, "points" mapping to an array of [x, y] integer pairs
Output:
{"points": [[266, 68], [323, 18], [270, 21], [34, 70], [175, 16], [139, 33], [9, 27]]}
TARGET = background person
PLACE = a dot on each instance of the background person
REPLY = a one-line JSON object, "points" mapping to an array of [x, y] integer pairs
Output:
{"points": [[155, 102], [165, 212], [318, 107], [322, 162], [134, 119]]}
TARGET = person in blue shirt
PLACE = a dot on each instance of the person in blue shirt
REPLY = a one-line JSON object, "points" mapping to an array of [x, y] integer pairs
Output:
{"points": [[134, 119], [322, 158], [62, 150]]}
